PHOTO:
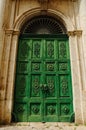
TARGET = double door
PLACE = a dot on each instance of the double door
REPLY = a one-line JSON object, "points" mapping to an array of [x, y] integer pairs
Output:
{"points": [[43, 89]]}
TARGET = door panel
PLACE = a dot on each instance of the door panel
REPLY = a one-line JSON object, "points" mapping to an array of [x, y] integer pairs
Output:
{"points": [[64, 85], [43, 89], [35, 110], [20, 112], [50, 82], [63, 49], [50, 111], [36, 49], [50, 49], [24, 50], [35, 86]]}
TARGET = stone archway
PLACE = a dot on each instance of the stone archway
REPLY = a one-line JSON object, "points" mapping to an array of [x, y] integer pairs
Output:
{"points": [[47, 57], [43, 24], [72, 41]]}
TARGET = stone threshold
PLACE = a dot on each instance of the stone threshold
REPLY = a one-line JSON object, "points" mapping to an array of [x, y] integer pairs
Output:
{"points": [[43, 126]]}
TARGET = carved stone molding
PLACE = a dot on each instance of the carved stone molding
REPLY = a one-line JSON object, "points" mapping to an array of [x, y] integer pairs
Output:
{"points": [[14, 32], [75, 32], [73, 0], [44, 4], [8, 31]]}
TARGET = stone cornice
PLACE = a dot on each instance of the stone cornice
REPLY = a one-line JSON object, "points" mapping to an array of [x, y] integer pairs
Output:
{"points": [[16, 32], [75, 32], [70, 33], [10, 32]]}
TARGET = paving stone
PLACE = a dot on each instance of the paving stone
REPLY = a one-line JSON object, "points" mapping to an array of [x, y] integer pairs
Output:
{"points": [[53, 128], [38, 126], [12, 128], [81, 128], [1, 128], [43, 126], [69, 128], [24, 128]]}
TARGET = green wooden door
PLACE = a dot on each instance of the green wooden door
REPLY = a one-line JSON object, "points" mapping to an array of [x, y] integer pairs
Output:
{"points": [[43, 89]]}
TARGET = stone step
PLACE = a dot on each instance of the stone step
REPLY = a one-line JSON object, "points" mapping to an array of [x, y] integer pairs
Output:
{"points": [[43, 126]]}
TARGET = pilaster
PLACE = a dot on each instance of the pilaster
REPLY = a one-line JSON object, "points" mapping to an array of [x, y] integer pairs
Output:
{"points": [[76, 66], [2, 9], [6, 77], [82, 13], [11, 77]]}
